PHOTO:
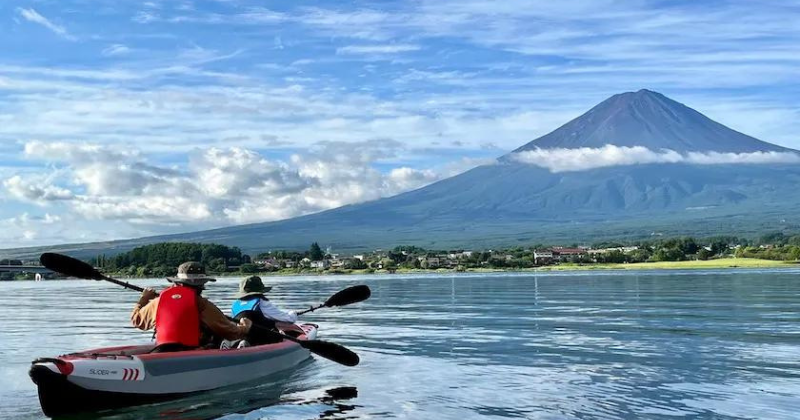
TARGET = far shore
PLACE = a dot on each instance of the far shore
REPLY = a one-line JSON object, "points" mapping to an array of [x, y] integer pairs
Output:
{"points": [[715, 264], [722, 263]]}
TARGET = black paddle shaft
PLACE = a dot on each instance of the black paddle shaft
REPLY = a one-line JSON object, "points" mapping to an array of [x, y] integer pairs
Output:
{"points": [[76, 268]]}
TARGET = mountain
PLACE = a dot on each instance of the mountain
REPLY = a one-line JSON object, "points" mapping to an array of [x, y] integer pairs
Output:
{"points": [[510, 202], [649, 119]]}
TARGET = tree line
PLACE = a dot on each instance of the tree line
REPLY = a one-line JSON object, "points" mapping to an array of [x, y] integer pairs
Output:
{"points": [[162, 259]]}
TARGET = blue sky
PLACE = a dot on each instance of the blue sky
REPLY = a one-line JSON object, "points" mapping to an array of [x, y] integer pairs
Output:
{"points": [[128, 118]]}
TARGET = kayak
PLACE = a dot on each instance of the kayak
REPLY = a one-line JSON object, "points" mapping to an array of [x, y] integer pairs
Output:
{"points": [[130, 375]]}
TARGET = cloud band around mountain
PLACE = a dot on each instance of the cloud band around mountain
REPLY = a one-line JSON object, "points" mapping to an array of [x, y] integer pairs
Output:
{"points": [[585, 158]]}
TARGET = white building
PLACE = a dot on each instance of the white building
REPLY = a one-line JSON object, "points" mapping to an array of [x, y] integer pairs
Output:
{"points": [[320, 264], [542, 257]]}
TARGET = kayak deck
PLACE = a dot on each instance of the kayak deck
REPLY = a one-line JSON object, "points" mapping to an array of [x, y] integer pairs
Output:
{"points": [[130, 375]]}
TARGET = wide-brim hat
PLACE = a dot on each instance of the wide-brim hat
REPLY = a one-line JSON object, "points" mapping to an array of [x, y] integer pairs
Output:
{"points": [[191, 273], [251, 286]]}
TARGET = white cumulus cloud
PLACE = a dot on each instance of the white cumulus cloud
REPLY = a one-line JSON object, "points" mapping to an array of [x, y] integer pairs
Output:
{"points": [[35, 191], [217, 186], [585, 158]]}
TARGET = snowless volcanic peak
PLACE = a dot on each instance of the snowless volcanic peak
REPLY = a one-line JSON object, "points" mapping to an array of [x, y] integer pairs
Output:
{"points": [[651, 120]]}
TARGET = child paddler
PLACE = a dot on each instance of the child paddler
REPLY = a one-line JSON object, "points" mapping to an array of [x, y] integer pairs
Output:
{"points": [[251, 303]]}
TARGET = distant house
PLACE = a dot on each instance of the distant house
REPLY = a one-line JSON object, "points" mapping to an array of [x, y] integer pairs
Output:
{"points": [[458, 255], [622, 249], [432, 262], [359, 257], [449, 263], [321, 265], [565, 254], [267, 262], [289, 263]]}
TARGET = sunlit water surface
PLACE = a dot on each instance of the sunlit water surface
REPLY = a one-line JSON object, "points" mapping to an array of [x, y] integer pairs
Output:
{"points": [[656, 345]]}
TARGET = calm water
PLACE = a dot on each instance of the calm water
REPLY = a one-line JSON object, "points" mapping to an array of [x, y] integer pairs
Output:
{"points": [[558, 346]]}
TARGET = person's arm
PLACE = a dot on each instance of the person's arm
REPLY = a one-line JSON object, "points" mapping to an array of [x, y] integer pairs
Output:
{"points": [[143, 316], [272, 312], [219, 324]]}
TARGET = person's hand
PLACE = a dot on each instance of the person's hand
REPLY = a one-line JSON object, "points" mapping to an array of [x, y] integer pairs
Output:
{"points": [[148, 294], [293, 315], [246, 323]]}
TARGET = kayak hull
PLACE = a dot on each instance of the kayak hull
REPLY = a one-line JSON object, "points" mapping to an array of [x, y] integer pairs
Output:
{"points": [[124, 376]]}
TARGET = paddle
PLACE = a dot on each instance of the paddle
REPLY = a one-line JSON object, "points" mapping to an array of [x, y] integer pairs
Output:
{"points": [[76, 268], [331, 351], [352, 294]]}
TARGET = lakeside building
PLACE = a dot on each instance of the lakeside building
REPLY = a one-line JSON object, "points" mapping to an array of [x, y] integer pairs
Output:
{"points": [[320, 265], [565, 254], [542, 257]]}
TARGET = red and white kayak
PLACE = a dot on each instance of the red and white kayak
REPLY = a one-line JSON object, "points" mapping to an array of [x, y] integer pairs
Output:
{"points": [[123, 376]]}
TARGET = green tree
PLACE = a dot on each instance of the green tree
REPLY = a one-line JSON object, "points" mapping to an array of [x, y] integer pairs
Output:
{"points": [[356, 264], [704, 254], [217, 265], [638, 255], [248, 268], [614, 257], [315, 252], [388, 264], [773, 238]]}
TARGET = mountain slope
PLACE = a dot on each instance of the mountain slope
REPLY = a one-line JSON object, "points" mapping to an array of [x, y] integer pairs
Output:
{"points": [[510, 203]]}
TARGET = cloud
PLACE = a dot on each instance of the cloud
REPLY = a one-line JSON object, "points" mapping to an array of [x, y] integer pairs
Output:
{"points": [[406, 178], [32, 15], [377, 49], [76, 152], [237, 172], [218, 186], [145, 17], [35, 191], [585, 158], [153, 209], [116, 50]]}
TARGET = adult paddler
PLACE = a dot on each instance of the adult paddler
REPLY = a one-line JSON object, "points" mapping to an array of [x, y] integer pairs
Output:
{"points": [[184, 319]]}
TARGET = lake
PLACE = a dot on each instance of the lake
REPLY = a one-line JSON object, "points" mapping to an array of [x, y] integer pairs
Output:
{"points": [[609, 345]]}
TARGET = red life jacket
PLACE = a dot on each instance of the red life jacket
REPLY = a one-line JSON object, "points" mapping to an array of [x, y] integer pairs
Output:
{"points": [[177, 317]]}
